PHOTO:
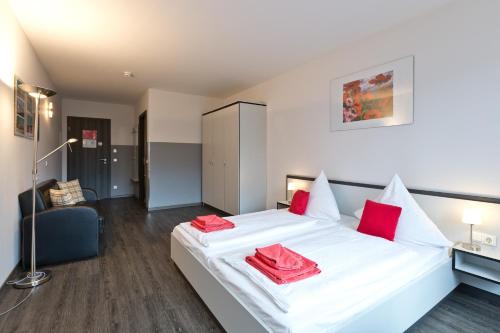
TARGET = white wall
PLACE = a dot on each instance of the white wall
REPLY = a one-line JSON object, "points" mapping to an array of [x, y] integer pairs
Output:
{"points": [[174, 124], [17, 57], [122, 120], [453, 144], [175, 117]]}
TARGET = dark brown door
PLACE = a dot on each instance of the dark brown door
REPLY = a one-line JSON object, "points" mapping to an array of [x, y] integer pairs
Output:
{"points": [[90, 160], [142, 152]]}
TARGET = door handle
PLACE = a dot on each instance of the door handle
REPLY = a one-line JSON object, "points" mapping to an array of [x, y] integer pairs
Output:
{"points": [[104, 160]]}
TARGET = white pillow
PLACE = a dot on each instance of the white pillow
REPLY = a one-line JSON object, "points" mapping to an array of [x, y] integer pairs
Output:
{"points": [[414, 225], [322, 203]]}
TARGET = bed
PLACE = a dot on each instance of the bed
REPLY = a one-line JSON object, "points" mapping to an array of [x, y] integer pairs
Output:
{"points": [[241, 302]]}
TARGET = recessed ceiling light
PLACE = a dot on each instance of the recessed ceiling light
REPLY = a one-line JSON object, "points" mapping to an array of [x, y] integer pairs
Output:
{"points": [[128, 74]]}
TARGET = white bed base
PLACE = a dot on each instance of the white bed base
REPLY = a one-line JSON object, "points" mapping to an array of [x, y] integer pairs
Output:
{"points": [[393, 315]]}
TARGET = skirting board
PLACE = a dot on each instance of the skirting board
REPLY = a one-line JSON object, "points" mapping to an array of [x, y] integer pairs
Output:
{"points": [[151, 209], [410, 304]]}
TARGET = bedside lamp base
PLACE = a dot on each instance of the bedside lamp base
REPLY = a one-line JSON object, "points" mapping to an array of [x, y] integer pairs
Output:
{"points": [[471, 247]]}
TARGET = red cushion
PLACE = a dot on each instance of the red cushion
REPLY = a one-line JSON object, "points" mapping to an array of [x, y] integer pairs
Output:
{"points": [[299, 202], [379, 220]]}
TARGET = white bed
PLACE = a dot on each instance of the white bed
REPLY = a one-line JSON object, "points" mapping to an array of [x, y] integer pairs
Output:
{"points": [[418, 280]]}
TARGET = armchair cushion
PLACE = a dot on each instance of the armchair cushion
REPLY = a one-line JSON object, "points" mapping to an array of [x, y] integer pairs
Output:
{"points": [[60, 198], [74, 188]]}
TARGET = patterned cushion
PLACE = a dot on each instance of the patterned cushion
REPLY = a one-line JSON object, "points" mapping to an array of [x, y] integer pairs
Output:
{"points": [[74, 188], [61, 198]]}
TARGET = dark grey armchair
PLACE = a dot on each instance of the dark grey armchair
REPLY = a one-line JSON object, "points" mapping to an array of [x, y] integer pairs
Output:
{"points": [[62, 233]]}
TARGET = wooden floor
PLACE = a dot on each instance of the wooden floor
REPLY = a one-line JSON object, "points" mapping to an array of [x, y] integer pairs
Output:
{"points": [[135, 287]]}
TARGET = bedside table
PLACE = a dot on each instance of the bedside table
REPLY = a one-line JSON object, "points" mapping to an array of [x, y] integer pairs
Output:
{"points": [[282, 204], [484, 264]]}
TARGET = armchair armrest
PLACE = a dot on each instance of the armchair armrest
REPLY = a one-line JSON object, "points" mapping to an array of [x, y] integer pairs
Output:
{"points": [[90, 194], [63, 234]]}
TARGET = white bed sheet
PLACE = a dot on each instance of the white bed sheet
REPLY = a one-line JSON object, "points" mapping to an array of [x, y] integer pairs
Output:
{"points": [[289, 226], [250, 227], [329, 314], [318, 318]]}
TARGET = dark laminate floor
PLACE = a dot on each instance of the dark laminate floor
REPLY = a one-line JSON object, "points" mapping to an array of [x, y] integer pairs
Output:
{"points": [[466, 309], [135, 287]]}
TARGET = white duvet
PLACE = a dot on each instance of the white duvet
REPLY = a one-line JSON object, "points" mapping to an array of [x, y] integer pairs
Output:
{"points": [[253, 227], [355, 269]]}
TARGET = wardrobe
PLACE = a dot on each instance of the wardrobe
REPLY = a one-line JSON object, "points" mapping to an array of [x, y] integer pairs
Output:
{"points": [[234, 158]]}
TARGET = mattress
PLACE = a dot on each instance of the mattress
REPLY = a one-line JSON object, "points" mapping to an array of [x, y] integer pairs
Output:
{"points": [[332, 310]]}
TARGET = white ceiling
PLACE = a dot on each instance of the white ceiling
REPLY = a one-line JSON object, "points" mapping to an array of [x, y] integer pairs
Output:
{"points": [[204, 47]]}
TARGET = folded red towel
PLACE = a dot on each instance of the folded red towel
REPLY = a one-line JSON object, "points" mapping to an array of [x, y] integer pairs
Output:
{"points": [[308, 269], [210, 220], [279, 257], [210, 228]]}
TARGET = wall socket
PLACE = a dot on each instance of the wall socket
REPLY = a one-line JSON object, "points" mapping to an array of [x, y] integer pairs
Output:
{"points": [[483, 238], [115, 187]]}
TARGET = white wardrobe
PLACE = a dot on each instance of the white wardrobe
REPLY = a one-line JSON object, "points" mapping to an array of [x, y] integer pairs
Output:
{"points": [[234, 158]]}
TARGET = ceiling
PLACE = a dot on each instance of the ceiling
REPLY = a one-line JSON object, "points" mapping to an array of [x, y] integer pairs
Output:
{"points": [[204, 47]]}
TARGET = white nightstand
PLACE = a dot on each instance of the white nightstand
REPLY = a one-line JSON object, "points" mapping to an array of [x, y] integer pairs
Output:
{"points": [[484, 264]]}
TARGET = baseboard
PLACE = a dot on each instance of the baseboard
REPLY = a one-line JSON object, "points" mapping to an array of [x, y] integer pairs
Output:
{"points": [[221, 212], [152, 209], [131, 195], [11, 275]]}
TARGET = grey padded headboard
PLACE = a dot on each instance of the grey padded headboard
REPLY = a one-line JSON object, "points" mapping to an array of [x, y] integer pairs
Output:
{"points": [[444, 208]]}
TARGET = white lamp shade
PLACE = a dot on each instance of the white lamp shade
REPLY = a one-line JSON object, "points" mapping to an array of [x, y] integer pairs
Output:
{"points": [[471, 216]]}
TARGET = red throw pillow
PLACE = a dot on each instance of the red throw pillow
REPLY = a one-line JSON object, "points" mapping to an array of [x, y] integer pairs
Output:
{"points": [[299, 202], [379, 220]]}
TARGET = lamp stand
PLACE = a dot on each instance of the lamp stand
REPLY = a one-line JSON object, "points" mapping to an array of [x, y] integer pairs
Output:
{"points": [[34, 278], [471, 246]]}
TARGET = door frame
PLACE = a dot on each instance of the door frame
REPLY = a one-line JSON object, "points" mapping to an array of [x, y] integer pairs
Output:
{"points": [[142, 153]]}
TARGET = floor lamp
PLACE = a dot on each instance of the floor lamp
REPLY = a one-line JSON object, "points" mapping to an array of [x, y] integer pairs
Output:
{"points": [[34, 277]]}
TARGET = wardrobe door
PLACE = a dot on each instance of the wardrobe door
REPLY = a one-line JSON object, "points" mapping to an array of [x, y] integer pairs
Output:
{"points": [[207, 160], [218, 159], [231, 153]]}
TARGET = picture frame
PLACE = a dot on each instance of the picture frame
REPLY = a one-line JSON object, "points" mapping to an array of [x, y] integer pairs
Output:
{"points": [[24, 111], [375, 97]]}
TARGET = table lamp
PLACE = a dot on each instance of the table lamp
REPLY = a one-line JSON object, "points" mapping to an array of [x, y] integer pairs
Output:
{"points": [[471, 217], [291, 188]]}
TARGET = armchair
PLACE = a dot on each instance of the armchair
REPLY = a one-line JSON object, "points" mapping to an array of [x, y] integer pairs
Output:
{"points": [[63, 233]]}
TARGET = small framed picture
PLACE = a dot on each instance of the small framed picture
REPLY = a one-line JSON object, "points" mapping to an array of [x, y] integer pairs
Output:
{"points": [[24, 111], [375, 97]]}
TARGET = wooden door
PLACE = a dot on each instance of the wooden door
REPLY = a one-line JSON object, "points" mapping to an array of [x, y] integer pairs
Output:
{"points": [[207, 160], [142, 159], [231, 159], [89, 162]]}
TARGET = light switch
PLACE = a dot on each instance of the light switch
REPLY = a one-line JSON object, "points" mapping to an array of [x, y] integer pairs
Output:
{"points": [[115, 187]]}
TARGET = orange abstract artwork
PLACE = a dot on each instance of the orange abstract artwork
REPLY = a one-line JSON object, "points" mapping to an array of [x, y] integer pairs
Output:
{"points": [[368, 98]]}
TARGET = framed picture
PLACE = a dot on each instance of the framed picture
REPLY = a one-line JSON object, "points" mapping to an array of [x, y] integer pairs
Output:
{"points": [[375, 97], [24, 111]]}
